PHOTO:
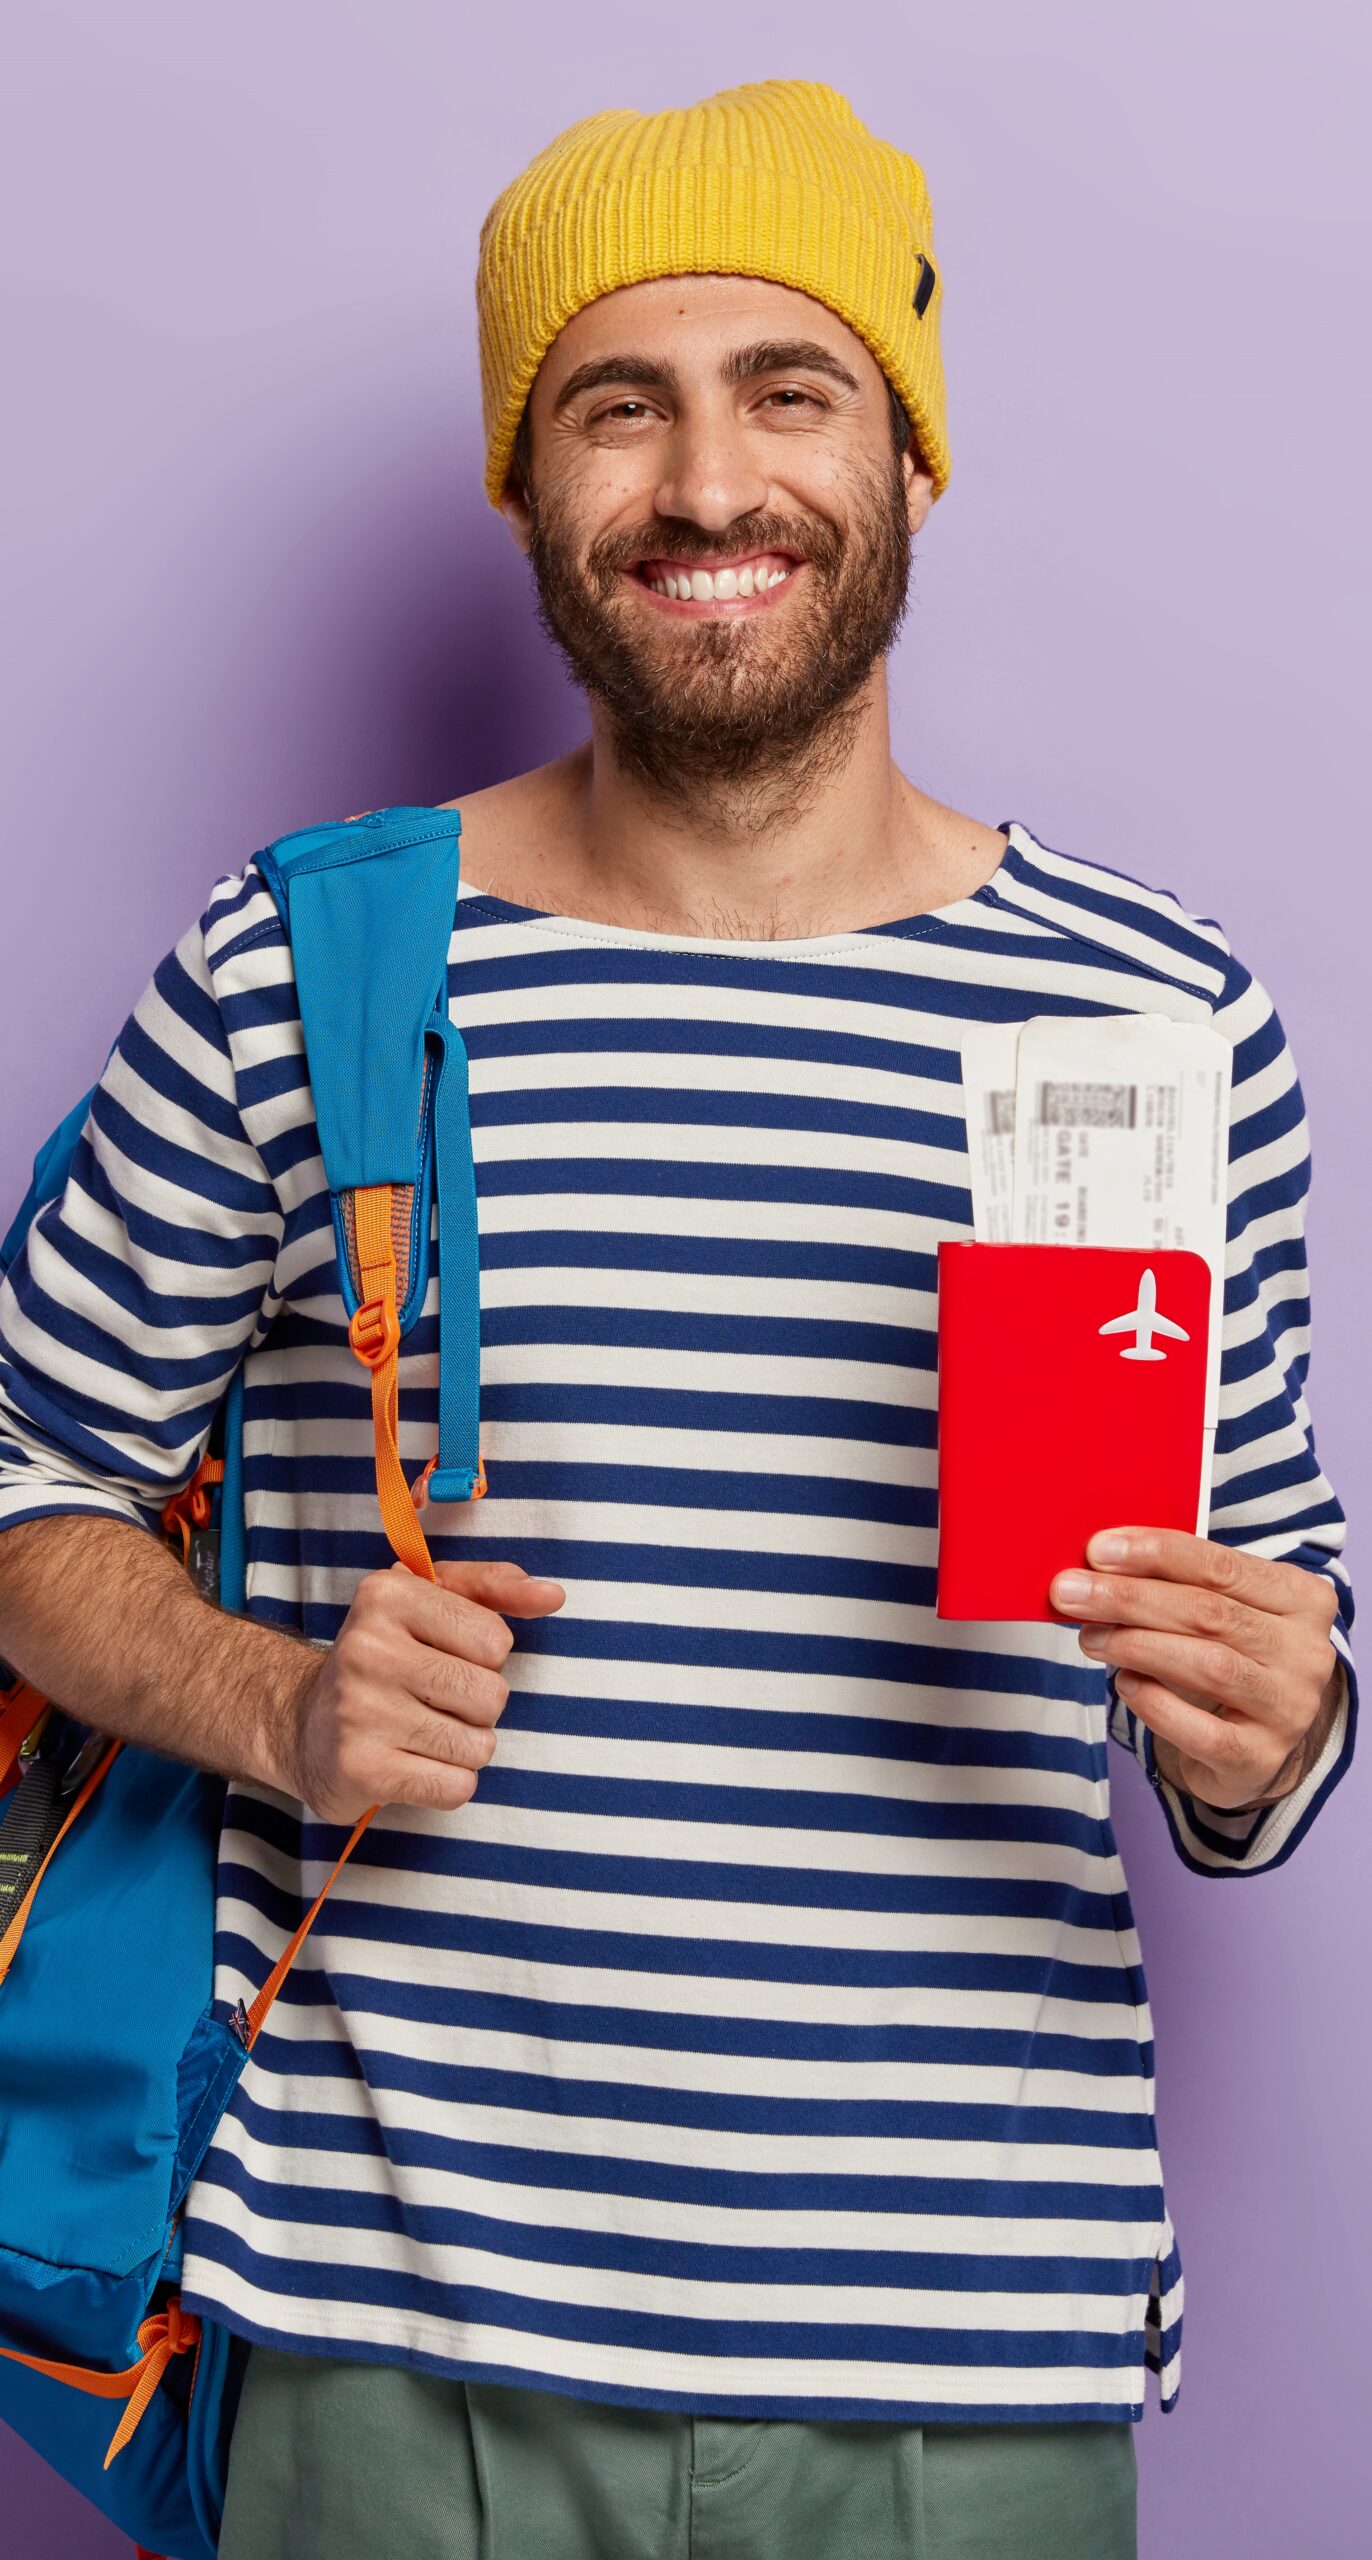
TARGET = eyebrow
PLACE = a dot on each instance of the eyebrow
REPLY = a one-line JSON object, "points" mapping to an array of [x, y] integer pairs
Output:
{"points": [[639, 371], [787, 355], [745, 364]]}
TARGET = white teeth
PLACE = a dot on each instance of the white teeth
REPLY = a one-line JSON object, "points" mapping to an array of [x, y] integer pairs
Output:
{"points": [[703, 586]]}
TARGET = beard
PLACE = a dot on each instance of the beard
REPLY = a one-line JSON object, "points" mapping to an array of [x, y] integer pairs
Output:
{"points": [[751, 703]]}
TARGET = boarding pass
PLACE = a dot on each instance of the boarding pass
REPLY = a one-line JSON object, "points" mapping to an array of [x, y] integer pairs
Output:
{"points": [[1103, 1130]]}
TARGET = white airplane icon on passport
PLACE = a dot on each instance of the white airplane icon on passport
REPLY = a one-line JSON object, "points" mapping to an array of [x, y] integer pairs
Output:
{"points": [[1143, 1321]]}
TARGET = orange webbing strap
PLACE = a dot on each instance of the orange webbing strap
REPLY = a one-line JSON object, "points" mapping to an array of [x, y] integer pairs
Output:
{"points": [[19, 1713], [375, 1337], [169, 2332], [9, 1944], [190, 1509], [258, 2011]]}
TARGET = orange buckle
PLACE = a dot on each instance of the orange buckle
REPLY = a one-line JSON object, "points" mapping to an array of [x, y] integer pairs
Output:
{"points": [[375, 1331]]}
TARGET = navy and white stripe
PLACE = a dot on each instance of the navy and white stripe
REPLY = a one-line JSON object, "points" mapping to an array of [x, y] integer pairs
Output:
{"points": [[769, 2034]]}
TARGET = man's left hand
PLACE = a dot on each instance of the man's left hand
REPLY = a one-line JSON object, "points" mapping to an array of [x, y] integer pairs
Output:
{"points": [[1225, 1656]]}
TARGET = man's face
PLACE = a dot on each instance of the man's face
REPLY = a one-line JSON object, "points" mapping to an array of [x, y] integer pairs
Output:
{"points": [[718, 523]]}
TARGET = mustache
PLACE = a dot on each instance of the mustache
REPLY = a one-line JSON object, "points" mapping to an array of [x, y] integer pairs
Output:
{"points": [[667, 539]]}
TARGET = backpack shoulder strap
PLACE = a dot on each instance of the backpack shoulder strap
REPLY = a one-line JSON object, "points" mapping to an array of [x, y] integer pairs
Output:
{"points": [[368, 907]]}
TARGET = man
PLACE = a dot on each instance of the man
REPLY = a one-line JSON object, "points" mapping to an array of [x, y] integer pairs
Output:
{"points": [[720, 2122]]}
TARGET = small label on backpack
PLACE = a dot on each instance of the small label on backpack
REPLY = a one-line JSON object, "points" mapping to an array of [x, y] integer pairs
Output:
{"points": [[202, 1563], [241, 2025]]}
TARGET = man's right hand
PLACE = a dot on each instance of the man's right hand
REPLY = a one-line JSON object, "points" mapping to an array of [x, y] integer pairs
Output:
{"points": [[404, 1705]]}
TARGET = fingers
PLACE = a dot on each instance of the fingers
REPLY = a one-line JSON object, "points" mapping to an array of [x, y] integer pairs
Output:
{"points": [[1173, 1555], [404, 1707], [342, 1775], [1196, 1625], [406, 1732], [1194, 1728], [399, 1725], [453, 1641], [1179, 1608], [506, 1587], [394, 1778], [429, 1756], [450, 1740], [449, 1684], [1218, 1761], [464, 1612], [1210, 1669]]}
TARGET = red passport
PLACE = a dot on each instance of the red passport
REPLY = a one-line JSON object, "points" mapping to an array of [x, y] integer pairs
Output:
{"points": [[1071, 1396]]}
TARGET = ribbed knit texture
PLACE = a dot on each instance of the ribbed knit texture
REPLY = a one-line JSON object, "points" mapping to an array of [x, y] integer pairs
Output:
{"points": [[778, 180]]}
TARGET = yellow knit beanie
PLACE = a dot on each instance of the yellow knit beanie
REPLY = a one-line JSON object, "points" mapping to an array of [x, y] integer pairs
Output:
{"points": [[777, 180]]}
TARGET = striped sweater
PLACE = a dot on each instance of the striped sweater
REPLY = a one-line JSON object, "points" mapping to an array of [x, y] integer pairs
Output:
{"points": [[769, 2035]]}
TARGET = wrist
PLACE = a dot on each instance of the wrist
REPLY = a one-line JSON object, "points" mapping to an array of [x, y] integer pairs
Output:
{"points": [[285, 1680], [1289, 1776], [1296, 1768]]}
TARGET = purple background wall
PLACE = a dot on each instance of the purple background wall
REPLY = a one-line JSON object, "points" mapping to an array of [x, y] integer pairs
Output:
{"points": [[252, 582]]}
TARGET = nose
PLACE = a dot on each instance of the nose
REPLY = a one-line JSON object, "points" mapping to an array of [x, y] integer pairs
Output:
{"points": [[709, 476]]}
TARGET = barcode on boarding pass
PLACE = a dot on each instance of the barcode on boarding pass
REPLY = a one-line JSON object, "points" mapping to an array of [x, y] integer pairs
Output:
{"points": [[1087, 1106]]}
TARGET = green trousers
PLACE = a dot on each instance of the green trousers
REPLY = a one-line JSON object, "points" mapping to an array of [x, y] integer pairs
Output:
{"points": [[341, 2461]]}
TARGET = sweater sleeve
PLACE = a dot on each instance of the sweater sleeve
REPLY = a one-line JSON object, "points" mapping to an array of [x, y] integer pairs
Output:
{"points": [[139, 1288], [1270, 1496]]}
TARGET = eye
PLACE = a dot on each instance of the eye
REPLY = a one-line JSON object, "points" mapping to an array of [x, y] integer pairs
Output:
{"points": [[628, 410], [792, 399]]}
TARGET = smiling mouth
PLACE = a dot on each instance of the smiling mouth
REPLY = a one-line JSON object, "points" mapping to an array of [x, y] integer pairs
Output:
{"points": [[732, 582]]}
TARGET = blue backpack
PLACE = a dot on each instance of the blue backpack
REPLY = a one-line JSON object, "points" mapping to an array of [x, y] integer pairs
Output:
{"points": [[116, 2061]]}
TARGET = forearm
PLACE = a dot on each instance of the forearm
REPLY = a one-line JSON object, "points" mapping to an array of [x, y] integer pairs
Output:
{"points": [[101, 1619]]}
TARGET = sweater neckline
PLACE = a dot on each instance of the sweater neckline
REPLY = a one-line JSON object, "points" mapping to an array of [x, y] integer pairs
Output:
{"points": [[786, 946]]}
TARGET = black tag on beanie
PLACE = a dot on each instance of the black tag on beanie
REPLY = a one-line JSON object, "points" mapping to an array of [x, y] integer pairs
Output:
{"points": [[924, 290]]}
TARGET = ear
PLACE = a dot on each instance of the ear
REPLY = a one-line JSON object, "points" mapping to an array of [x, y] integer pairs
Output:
{"points": [[919, 488], [518, 514]]}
